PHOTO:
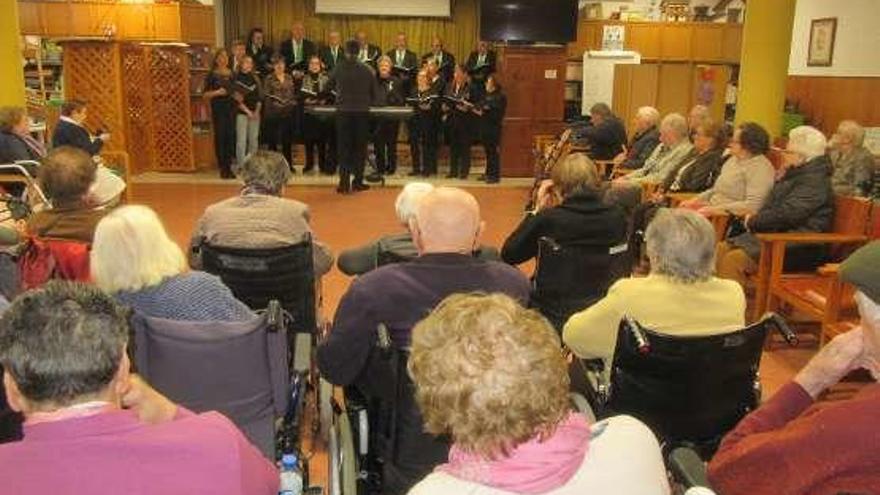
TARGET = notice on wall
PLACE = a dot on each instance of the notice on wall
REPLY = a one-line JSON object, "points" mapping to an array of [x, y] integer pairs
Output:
{"points": [[612, 38], [550, 74]]}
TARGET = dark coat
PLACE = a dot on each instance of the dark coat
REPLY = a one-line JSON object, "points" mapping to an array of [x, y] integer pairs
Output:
{"points": [[641, 147], [308, 49], [801, 201], [262, 58], [68, 134], [13, 148], [355, 85], [373, 54], [391, 92], [480, 73], [494, 106], [606, 139], [326, 56], [448, 66], [410, 59], [580, 217], [700, 174]]}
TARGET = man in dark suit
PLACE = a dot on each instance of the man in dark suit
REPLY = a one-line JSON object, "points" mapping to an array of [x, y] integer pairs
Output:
{"points": [[606, 135], [332, 52], [71, 132], [445, 61], [356, 90], [297, 50], [367, 53], [259, 51], [480, 63], [405, 62]]}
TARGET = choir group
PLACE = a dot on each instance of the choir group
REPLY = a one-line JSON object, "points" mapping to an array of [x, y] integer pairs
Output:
{"points": [[260, 96]]}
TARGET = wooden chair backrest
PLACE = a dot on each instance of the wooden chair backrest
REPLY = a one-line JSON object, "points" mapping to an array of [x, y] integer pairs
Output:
{"points": [[852, 215], [775, 156]]}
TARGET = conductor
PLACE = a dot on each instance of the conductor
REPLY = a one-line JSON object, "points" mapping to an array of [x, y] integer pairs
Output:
{"points": [[356, 89]]}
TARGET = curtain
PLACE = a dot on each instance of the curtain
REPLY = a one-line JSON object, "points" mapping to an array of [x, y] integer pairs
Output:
{"points": [[459, 33]]}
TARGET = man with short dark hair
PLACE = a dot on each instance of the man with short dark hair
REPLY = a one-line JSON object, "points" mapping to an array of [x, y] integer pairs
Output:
{"points": [[356, 90], [606, 135], [67, 176], [93, 427], [70, 130]]}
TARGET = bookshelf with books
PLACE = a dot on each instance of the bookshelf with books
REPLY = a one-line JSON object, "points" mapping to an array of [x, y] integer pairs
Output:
{"points": [[200, 56], [42, 78]]}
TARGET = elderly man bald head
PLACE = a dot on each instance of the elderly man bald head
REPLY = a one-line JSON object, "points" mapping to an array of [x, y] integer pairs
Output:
{"points": [[447, 221]]}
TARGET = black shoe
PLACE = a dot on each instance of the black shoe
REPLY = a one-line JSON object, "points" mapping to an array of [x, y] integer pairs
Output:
{"points": [[463, 177], [451, 176], [415, 173], [359, 187], [493, 180], [308, 169], [374, 178], [482, 177], [226, 174], [343, 190]]}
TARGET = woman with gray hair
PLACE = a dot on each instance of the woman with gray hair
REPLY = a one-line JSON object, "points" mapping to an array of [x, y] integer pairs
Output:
{"points": [[852, 163], [800, 201], [396, 247], [680, 296], [260, 216]]}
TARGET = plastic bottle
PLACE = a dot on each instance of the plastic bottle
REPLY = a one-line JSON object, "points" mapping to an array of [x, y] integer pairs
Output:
{"points": [[291, 478]]}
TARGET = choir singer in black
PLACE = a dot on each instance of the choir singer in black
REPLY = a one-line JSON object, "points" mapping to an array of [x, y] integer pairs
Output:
{"points": [[385, 137], [315, 90], [491, 115], [297, 50], [356, 89], [480, 63], [458, 104], [425, 99]]}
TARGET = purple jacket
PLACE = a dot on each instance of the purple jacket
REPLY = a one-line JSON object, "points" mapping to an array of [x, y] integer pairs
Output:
{"points": [[113, 452]]}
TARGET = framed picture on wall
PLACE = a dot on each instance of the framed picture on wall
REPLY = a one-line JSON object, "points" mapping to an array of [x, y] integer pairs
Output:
{"points": [[822, 32]]}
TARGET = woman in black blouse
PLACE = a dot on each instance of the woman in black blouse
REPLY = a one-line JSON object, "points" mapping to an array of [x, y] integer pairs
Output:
{"points": [[218, 90], [279, 91], [491, 111]]}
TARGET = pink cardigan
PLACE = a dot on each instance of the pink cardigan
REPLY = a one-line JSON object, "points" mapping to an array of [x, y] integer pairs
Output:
{"points": [[112, 453]]}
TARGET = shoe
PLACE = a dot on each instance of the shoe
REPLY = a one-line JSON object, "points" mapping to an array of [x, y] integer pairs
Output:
{"points": [[451, 176], [492, 180], [308, 169], [463, 177], [226, 174], [359, 187], [415, 173], [482, 177], [374, 178], [343, 190]]}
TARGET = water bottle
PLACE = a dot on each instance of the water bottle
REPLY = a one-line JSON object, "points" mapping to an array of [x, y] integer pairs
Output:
{"points": [[291, 478]]}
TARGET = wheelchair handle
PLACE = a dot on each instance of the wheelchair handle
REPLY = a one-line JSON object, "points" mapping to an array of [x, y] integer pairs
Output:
{"points": [[383, 340], [274, 315], [781, 326], [638, 334]]}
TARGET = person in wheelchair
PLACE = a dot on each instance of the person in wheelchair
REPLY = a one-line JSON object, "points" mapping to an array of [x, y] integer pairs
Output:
{"points": [[792, 445], [569, 211], [135, 260], [91, 426], [446, 229], [16, 142], [67, 176], [259, 217], [489, 373], [679, 297], [362, 259]]}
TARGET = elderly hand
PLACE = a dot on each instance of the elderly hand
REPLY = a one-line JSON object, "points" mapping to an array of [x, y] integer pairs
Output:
{"points": [[544, 195], [843, 354], [150, 406]]}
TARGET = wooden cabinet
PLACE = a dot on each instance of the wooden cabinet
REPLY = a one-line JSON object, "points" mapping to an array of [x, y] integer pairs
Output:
{"points": [[667, 41], [122, 21], [535, 82]]}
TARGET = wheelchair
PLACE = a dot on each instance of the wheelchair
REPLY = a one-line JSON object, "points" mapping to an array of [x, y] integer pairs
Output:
{"points": [[689, 390], [372, 433], [571, 276]]}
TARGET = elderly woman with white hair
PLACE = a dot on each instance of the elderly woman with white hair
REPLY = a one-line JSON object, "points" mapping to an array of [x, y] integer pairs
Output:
{"points": [[135, 260], [852, 163], [400, 246], [260, 217], [800, 201], [679, 297], [645, 138], [791, 445]]}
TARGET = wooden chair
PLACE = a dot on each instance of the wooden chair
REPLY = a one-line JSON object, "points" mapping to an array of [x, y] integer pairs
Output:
{"points": [[676, 199], [772, 286]]}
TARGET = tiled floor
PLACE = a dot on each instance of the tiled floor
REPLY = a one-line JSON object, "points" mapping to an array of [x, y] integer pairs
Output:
{"points": [[345, 221]]}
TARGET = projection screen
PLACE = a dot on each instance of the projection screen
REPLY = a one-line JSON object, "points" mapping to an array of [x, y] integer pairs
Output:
{"points": [[404, 8]]}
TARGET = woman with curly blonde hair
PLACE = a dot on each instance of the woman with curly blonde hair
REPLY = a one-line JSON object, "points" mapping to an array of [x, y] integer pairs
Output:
{"points": [[491, 374]]}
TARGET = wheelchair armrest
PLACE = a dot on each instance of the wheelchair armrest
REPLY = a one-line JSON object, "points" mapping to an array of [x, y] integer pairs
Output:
{"points": [[687, 467]]}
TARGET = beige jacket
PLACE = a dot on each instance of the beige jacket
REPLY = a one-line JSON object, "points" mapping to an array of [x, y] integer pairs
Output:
{"points": [[742, 186]]}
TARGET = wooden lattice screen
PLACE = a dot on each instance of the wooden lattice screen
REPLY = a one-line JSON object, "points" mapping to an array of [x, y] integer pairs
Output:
{"points": [[140, 94], [92, 73], [138, 100]]}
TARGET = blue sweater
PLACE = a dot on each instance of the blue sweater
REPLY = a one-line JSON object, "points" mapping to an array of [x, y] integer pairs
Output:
{"points": [[190, 296]]}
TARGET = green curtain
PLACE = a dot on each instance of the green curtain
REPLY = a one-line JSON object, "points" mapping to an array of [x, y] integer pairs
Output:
{"points": [[459, 33]]}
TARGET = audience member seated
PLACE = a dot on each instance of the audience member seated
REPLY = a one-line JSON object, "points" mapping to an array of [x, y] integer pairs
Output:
{"points": [[745, 180], [446, 229], [792, 445], [362, 259], [71, 131], [699, 171], [800, 201], [260, 217], [606, 135], [673, 149], [679, 297], [489, 373], [645, 138], [16, 142], [853, 165], [67, 176], [134, 259], [569, 209], [698, 115], [93, 427]]}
